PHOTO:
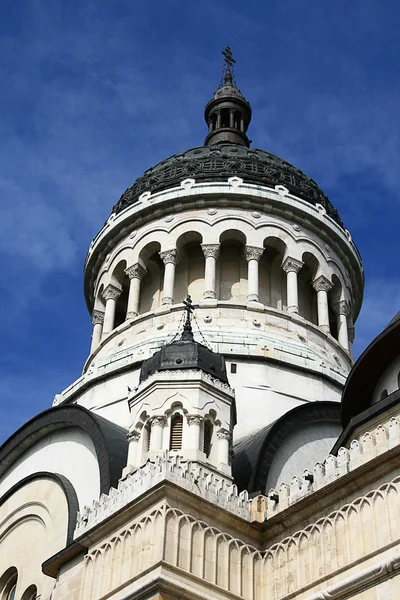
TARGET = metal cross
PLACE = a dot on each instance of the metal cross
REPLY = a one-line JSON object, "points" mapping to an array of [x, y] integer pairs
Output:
{"points": [[229, 60], [187, 328]]}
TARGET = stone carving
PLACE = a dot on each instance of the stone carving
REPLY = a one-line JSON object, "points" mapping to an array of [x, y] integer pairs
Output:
{"points": [[224, 434], [210, 250], [133, 436], [158, 421], [253, 253], [216, 163], [97, 317], [292, 265], [170, 256], [322, 284], [209, 295], [195, 420], [111, 292], [136, 271], [341, 308]]}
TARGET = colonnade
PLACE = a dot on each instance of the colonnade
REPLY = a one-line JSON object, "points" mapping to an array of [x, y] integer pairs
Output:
{"points": [[103, 321], [192, 439]]}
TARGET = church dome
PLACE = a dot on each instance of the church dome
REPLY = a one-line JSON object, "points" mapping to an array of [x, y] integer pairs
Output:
{"points": [[219, 162]]}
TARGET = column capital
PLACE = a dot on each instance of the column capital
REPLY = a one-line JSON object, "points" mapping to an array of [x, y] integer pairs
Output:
{"points": [[136, 271], [224, 434], [158, 421], [322, 284], [111, 291], [194, 419], [97, 317], [341, 308], [210, 250], [133, 436], [292, 265], [253, 253], [170, 256]]}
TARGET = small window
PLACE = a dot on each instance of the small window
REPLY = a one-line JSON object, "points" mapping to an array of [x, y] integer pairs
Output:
{"points": [[30, 593], [233, 368], [208, 429], [176, 432], [11, 593], [384, 394]]}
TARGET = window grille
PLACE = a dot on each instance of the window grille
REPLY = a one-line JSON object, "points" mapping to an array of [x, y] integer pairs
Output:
{"points": [[207, 438], [176, 432]]}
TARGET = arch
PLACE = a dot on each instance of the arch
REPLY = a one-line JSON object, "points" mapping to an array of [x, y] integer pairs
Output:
{"points": [[232, 267], [190, 270], [30, 593], [307, 294], [109, 440], [176, 432], [272, 278], [151, 285], [120, 279], [8, 583]]}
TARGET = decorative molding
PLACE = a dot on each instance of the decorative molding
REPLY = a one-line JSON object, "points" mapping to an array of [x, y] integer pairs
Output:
{"points": [[133, 436], [253, 253], [170, 256], [195, 420], [209, 295], [159, 421], [341, 308], [322, 284], [97, 317], [292, 265], [136, 271], [224, 434], [211, 250], [111, 292]]}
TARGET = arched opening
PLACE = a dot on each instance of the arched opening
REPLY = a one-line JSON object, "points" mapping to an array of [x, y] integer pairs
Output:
{"points": [[175, 442], [121, 279], [30, 593], [189, 274], [232, 268], [272, 278], [335, 295], [152, 283], [8, 584], [307, 294], [208, 431]]}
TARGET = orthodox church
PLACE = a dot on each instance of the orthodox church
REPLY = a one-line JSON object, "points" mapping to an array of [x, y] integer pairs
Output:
{"points": [[223, 446]]}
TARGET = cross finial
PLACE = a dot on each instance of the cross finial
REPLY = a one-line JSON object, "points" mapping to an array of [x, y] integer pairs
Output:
{"points": [[229, 61], [187, 328]]}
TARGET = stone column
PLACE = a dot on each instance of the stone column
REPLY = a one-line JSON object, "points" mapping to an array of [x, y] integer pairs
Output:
{"points": [[291, 266], [194, 441], [322, 285], [110, 295], [253, 255], [170, 259], [341, 310], [231, 118], [133, 448], [97, 320], [156, 437], [219, 119], [211, 253], [224, 437], [135, 273]]}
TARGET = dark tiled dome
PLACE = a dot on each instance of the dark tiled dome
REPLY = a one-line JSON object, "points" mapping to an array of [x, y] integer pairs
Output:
{"points": [[219, 163]]}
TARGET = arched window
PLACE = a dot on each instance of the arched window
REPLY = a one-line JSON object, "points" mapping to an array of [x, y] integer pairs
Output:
{"points": [[208, 429], [30, 593], [8, 584], [176, 432], [384, 393]]}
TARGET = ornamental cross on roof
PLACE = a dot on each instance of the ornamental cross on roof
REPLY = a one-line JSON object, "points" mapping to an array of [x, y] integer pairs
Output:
{"points": [[229, 61], [187, 327]]}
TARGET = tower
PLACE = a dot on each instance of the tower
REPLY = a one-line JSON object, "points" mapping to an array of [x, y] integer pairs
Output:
{"points": [[201, 453]]}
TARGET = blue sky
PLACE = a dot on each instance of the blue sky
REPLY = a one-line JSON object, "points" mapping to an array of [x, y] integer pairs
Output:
{"points": [[93, 93]]}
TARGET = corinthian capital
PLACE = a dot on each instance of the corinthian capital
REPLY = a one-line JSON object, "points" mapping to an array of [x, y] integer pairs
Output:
{"points": [[292, 265], [341, 308], [136, 271], [133, 436], [97, 317], [170, 256], [322, 284], [111, 291], [210, 250], [194, 420], [224, 434], [253, 253]]}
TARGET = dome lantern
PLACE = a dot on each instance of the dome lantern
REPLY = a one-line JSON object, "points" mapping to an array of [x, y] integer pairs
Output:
{"points": [[227, 114]]}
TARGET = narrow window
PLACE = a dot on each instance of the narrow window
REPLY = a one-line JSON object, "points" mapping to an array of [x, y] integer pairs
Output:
{"points": [[176, 432], [233, 368], [207, 438], [11, 593]]}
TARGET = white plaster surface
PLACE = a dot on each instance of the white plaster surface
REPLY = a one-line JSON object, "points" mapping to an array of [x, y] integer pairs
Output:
{"points": [[68, 452], [305, 447]]}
